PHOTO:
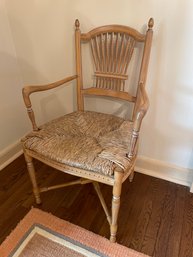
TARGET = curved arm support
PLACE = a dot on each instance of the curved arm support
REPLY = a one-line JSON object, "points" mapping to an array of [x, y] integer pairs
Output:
{"points": [[28, 90], [142, 109]]}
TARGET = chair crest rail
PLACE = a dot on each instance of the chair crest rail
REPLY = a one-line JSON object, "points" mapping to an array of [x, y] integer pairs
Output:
{"points": [[116, 29]]}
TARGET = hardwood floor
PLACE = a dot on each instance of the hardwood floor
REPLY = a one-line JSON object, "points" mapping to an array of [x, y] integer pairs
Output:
{"points": [[156, 216]]}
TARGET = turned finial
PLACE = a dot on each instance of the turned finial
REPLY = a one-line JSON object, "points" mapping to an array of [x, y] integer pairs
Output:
{"points": [[77, 24], [150, 23]]}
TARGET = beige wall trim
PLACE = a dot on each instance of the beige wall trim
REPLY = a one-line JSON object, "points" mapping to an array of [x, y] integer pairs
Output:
{"points": [[166, 171], [9, 154]]}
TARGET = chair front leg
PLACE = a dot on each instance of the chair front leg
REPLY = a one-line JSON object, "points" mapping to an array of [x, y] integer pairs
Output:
{"points": [[115, 204], [31, 171]]}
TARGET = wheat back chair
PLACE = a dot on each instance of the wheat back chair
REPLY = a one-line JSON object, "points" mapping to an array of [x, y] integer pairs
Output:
{"points": [[95, 147]]}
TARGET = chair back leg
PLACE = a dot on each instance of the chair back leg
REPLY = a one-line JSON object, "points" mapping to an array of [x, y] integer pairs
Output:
{"points": [[131, 176]]}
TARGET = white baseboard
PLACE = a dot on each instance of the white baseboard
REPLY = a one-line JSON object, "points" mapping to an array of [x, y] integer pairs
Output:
{"points": [[9, 154], [144, 165], [166, 171]]}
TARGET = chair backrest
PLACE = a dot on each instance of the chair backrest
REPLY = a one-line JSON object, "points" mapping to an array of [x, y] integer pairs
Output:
{"points": [[112, 48]]}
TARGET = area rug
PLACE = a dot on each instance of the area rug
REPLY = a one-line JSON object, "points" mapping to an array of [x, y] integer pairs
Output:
{"points": [[42, 234]]}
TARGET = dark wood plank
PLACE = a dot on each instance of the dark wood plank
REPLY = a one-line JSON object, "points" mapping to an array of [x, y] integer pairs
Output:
{"points": [[156, 216], [176, 226], [131, 206], [156, 197], [144, 217], [166, 219], [186, 246]]}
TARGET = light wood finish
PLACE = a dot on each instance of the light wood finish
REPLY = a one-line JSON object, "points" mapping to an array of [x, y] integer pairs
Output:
{"points": [[116, 204], [114, 29], [111, 75], [107, 92], [131, 176], [112, 51], [31, 170], [142, 109], [112, 48], [73, 170], [28, 90], [76, 182], [99, 193], [144, 67], [80, 100]]}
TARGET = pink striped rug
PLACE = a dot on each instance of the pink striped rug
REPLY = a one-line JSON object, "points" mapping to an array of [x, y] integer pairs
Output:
{"points": [[42, 234]]}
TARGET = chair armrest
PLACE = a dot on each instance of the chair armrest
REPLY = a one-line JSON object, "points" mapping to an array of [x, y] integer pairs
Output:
{"points": [[28, 90], [141, 111], [142, 108]]}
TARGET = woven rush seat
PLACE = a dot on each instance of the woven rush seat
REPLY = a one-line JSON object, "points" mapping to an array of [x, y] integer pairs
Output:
{"points": [[87, 140]]}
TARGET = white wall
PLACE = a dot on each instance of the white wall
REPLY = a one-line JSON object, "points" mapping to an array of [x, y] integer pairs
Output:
{"points": [[43, 37], [13, 124]]}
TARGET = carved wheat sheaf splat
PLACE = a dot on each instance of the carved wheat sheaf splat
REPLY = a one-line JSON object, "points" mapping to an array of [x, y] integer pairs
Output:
{"points": [[112, 53]]}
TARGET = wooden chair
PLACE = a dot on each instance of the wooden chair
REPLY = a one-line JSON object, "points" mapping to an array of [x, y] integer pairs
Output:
{"points": [[95, 147]]}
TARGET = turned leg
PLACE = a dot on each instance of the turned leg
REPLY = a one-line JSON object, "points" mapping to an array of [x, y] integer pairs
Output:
{"points": [[115, 204], [31, 170], [131, 176]]}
